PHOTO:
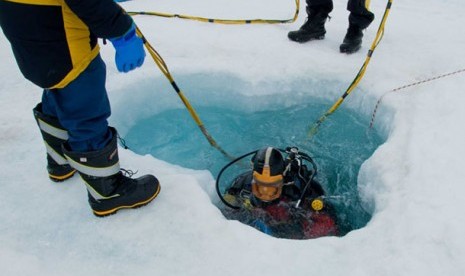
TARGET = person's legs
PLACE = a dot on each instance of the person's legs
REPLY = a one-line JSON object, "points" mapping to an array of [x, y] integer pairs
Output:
{"points": [[360, 15], [78, 114], [314, 27], [83, 108], [325, 6], [359, 19]]}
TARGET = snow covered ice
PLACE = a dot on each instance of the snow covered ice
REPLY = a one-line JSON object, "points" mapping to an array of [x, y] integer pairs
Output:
{"points": [[413, 183]]}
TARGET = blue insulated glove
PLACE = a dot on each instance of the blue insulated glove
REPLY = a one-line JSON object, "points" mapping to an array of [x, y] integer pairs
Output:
{"points": [[130, 52]]}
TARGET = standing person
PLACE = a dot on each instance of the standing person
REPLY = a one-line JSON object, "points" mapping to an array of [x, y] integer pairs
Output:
{"points": [[55, 45], [318, 11]]}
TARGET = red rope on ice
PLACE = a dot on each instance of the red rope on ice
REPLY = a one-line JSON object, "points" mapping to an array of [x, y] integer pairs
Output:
{"points": [[406, 86]]}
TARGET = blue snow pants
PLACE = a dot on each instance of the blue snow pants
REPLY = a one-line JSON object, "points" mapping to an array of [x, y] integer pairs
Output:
{"points": [[82, 108]]}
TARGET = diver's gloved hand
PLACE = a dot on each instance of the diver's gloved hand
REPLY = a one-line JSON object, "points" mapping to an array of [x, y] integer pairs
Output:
{"points": [[130, 52]]}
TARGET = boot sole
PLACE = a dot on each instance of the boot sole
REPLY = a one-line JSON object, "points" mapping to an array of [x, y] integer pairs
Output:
{"points": [[308, 39], [350, 51], [134, 206], [61, 178]]}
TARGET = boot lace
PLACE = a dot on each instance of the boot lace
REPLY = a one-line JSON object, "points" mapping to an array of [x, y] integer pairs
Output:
{"points": [[122, 141], [127, 173]]}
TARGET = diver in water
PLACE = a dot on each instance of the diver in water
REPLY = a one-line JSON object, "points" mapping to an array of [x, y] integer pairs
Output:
{"points": [[280, 197]]}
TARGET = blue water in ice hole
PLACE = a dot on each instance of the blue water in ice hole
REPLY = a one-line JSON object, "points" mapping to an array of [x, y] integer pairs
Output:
{"points": [[241, 124]]}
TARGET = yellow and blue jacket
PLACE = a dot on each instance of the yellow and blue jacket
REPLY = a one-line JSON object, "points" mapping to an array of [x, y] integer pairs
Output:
{"points": [[54, 41]]}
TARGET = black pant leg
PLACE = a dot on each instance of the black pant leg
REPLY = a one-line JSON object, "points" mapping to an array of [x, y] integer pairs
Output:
{"points": [[359, 13], [325, 6]]}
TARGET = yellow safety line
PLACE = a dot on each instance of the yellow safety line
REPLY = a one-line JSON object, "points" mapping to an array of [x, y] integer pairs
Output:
{"points": [[359, 76], [164, 69], [222, 21]]}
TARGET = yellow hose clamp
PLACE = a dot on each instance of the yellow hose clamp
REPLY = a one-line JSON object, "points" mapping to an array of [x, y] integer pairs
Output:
{"points": [[317, 204]]}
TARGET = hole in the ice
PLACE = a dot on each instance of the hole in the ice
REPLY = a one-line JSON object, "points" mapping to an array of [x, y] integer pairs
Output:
{"points": [[243, 117]]}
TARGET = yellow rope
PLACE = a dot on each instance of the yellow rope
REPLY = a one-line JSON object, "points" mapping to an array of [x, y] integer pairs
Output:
{"points": [[223, 21], [164, 69], [360, 74]]}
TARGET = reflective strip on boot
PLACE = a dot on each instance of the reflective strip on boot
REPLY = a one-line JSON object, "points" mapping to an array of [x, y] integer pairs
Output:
{"points": [[58, 158], [54, 131], [59, 178], [93, 171], [96, 195]]}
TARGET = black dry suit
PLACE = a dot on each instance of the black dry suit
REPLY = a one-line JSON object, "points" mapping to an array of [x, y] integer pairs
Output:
{"points": [[55, 40], [278, 218], [294, 185]]}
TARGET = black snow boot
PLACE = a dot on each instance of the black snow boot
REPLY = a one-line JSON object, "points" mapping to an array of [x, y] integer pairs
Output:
{"points": [[352, 41], [54, 136], [312, 29], [109, 190]]}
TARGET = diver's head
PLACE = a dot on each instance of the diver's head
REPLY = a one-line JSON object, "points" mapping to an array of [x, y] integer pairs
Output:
{"points": [[268, 169]]}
